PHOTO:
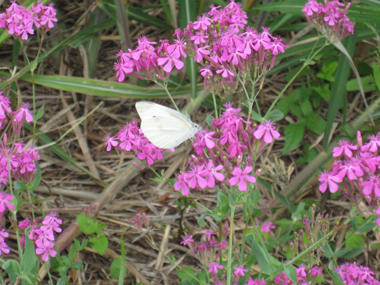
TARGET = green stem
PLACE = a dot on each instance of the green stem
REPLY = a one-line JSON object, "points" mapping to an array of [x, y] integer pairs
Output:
{"points": [[48, 272], [215, 107], [229, 260], [170, 96]]}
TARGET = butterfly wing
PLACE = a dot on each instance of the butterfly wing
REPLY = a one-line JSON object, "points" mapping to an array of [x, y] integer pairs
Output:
{"points": [[164, 127]]}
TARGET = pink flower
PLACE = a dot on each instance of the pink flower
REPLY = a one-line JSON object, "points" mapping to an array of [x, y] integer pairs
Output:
{"points": [[24, 224], [186, 240], [240, 270], [268, 131], [196, 177], [3, 247], [169, 62], [267, 226], [110, 142], [46, 250], [182, 183], [4, 201], [241, 176], [211, 173], [19, 116], [344, 147], [372, 186], [316, 271], [327, 179], [214, 267]]}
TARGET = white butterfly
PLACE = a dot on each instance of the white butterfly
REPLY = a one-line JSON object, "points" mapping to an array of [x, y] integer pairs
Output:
{"points": [[165, 127]]}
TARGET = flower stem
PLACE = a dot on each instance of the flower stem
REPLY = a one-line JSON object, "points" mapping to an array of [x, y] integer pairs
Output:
{"points": [[229, 260]]}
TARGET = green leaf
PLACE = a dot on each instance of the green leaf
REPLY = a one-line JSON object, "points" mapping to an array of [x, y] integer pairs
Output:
{"points": [[209, 119], [186, 274], [275, 115], [348, 130], [376, 75], [37, 179], [293, 136], [374, 3], [261, 254], [99, 244], [40, 113], [353, 85], [290, 271], [315, 123], [29, 259], [82, 223], [328, 71], [12, 267], [115, 268], [103, 88], [306, 108], [324, 91], [339, 86], [354, 240]]}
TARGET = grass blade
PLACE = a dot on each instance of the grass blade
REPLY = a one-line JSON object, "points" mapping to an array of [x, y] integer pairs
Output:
{"points": [[338, 92], [187, 12], [102, 88]]}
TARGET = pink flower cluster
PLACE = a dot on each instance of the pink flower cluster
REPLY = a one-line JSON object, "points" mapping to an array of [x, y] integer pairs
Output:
{"points": [[21, 163], [358, 169], [304, 276], [329, 19], [131, 139], [17, 117], [43, 235], [20, 22], [353, 274], [3, 246], [218, 40], [230, 140]]}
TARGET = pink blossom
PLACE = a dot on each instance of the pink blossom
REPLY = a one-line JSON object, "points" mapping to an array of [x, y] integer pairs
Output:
{"points": [[186, 240], [46, 250], [4, 202], [110, 142], [268, 131], [316, 271], [327, 179], [344, 147], [214, 266], [182, 183], [19, 116], [267, 227], [240, 270], [241, 176], [372, 186], [169, 62]]}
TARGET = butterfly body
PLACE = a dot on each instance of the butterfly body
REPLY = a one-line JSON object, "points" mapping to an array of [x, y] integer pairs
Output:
{"points": [[165, 127]]}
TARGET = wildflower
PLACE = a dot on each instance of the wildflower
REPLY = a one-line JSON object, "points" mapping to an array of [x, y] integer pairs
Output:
{"points": [[4, 201], [344, 147], [327, 179], [19, 116], [214, 267], [187, 240], [267, 226], [110, 142], [241, 176], [268, 131], [240, 270], [169, 62], [24, 224], [182, 183], [3, 247], [46, 250], [316, 271], [372, 186]]}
